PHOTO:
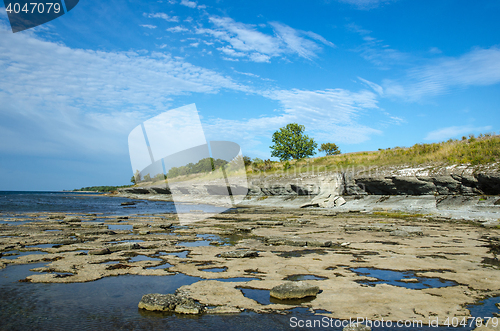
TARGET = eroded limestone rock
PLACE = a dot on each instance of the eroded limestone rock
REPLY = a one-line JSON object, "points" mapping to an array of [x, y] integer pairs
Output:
{"points": [[294, 290]]}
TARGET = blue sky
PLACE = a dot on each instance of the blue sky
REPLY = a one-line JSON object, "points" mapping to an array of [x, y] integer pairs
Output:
{"points": [[365, 74]]}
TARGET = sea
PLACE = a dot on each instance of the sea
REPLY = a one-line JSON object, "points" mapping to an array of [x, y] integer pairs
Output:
{"points": [[88, 202], [111, 303]]}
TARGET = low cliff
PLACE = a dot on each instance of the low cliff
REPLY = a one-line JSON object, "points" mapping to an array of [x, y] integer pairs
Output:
{"points": [[430, 180]]}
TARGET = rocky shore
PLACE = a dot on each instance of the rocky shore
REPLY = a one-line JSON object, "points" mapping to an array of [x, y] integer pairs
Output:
{"points": [[375, 264]]}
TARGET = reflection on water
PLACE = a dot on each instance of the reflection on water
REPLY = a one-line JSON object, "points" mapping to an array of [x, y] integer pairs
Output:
{"points": [[111, 304], [123, 227], [16, 254], [406, 279]]}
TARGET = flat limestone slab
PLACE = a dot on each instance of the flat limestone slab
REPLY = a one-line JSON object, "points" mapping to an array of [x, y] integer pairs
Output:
{"points": [[294, 290]]}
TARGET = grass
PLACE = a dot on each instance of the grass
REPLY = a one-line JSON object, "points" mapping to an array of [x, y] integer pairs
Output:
{"points": [[480, 151], [483, 150]]}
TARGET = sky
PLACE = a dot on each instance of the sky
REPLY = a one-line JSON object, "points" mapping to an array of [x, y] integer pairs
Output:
{"points": [[364, 74]]}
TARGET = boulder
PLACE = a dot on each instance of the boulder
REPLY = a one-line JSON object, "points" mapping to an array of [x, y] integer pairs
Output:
{"points": [[170, 302], [159, 302], [294, 290], [71, 219]]}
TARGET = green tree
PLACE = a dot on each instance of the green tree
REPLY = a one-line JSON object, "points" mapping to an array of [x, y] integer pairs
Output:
{"points": [[329, 149], [290, 142], [133, 180], [247, 161], [137, 176]]}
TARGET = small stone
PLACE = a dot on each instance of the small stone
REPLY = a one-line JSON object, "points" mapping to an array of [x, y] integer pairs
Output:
{"points": [[294, 290], [239, 254], [71, 219], [345, 244], [319, 243], [102, 251], [128, 203], [143, 232]]}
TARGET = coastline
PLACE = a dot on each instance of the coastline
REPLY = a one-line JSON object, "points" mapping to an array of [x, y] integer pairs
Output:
{"points": [[329, 245]]}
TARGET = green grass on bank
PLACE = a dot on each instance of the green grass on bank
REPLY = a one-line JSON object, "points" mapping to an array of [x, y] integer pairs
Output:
{"points": [[473, 151], [483, 150]]}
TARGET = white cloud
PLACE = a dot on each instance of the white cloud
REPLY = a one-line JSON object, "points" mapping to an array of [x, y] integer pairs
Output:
{"points": [[177, 29], [260, 47], [231, 52], [328, 115], [477, 68], [187, 3], [435, 50], [454, 132], [230, 59], [84, 101], [163, 16], [148, 26], [194, 44], [303, 47], [376, 51], [377, 88], [366, 4]]}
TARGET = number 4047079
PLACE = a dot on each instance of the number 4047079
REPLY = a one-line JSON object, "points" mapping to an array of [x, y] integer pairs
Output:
{"points": [[34, 7]]}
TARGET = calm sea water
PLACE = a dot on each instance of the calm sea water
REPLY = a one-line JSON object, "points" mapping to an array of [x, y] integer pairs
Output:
{"points": [[111, 303], [82, 202]]}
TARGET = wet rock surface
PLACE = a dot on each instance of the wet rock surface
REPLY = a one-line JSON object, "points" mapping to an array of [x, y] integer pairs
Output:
{"points": [[322, 246]]}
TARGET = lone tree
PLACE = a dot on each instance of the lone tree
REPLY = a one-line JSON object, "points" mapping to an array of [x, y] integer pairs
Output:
{"points": [[329, 149], [291, 143]]}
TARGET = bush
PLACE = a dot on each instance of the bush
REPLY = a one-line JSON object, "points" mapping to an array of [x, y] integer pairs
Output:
{"points": [[329, 149]]}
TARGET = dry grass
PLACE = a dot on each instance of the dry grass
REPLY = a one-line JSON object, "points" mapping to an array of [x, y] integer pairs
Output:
{"points": [[483, 150]]}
